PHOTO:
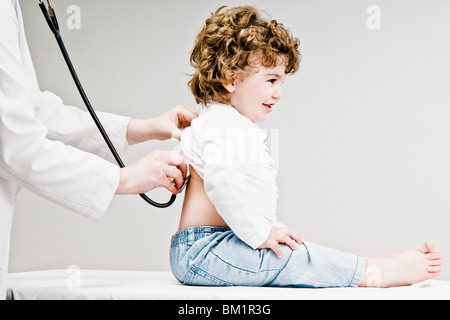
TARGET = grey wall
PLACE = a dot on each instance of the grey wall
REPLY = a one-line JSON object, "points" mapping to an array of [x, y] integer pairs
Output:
{"points": [[364, 126]]}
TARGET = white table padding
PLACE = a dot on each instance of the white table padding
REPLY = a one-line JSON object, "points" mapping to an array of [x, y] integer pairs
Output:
{"points": [[138, 285]]}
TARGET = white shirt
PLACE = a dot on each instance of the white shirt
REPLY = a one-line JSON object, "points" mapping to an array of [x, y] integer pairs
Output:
{"points": [[51, 149], [230, 153]]}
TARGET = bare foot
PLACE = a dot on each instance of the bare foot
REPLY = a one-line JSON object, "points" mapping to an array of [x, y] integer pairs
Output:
{"points": [[402, 268]]}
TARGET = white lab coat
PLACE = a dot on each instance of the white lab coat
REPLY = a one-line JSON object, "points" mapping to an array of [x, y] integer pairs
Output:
{"points": [[46, 147]]}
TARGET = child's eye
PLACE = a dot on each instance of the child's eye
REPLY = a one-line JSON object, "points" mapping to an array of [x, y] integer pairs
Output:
{"points": [[272, 81]]}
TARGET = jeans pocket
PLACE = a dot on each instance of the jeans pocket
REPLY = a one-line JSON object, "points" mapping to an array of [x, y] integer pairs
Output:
{"points": [[198, 277]]}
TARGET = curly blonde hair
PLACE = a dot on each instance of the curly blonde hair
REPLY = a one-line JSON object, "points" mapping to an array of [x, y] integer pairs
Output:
{"points": [[238, 39]]}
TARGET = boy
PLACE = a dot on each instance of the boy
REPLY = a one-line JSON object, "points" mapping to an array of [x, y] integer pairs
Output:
{"points": [[228, 232]]}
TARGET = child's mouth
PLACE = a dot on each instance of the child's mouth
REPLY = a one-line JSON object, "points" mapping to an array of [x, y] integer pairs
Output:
{"points": [[268, 107]]}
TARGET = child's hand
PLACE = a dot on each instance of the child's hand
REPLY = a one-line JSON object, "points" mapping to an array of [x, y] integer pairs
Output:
{"points": [[281, 235]]}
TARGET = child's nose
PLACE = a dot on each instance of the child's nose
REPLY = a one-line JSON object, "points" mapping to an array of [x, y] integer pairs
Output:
{"points": [[277, 93]]}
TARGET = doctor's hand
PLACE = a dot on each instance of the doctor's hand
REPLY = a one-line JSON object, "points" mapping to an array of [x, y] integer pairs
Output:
{"points": [[281, 235], [169, 125], [157, 169]]}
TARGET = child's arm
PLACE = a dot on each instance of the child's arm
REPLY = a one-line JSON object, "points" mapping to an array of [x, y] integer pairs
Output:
{"points": [[238, 197], [225, 186]]}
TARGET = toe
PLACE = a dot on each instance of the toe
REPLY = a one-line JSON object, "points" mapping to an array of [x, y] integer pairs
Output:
{"points": [[432, 275], [434, 269], [435, 262], [426, 247], [433, 255]]}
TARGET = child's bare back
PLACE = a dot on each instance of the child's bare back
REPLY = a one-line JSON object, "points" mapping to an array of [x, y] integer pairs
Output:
{"points": [[198, 209]]}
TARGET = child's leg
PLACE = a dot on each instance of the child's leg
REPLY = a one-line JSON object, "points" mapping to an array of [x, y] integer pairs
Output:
{"points": [[221, 258], [203, 256], [402, 268]]}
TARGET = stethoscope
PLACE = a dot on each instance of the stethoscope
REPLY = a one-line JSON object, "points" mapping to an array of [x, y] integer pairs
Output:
{"points": [[54, 26]]}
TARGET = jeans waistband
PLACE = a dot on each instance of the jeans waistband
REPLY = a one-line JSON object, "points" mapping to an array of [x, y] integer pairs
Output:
{"points": [[195, 233]]}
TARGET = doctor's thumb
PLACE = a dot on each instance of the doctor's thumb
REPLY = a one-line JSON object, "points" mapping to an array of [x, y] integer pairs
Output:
{"points": [[176, 134]]}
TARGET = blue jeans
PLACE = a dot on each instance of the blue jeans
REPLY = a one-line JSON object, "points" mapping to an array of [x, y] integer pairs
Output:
{"points": [[214, 256]]}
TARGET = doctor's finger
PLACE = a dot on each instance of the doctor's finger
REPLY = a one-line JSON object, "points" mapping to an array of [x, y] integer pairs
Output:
{"points": [[186, 113], [173, 158], [184, 124], [167, 183], [176, 134], [174, 173]]}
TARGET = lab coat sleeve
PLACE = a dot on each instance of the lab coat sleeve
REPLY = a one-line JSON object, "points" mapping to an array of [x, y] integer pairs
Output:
{"points": [[75, 127], [77, 180], [228, 189]]}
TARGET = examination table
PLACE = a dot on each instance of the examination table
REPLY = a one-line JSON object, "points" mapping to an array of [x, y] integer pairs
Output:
{"points": [[138, 285]]}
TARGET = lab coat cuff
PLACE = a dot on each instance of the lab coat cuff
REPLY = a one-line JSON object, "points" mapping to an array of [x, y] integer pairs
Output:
{"points": [[116, 127], [109, 175]]}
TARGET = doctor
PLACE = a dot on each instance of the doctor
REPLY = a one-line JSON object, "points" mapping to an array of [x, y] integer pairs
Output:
{"points": [[55, 150]]}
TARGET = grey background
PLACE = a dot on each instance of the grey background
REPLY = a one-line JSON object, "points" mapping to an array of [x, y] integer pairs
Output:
{"points": [[364, 126]]}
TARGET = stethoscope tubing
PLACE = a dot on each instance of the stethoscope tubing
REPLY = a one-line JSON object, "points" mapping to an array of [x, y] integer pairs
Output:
{"points": [[53, 24]]}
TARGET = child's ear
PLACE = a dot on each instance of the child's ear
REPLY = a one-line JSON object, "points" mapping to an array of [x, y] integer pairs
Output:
{"points": [[229, 86]]}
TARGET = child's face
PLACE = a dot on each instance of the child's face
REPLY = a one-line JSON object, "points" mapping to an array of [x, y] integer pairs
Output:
{"points": [[255, 94]]}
